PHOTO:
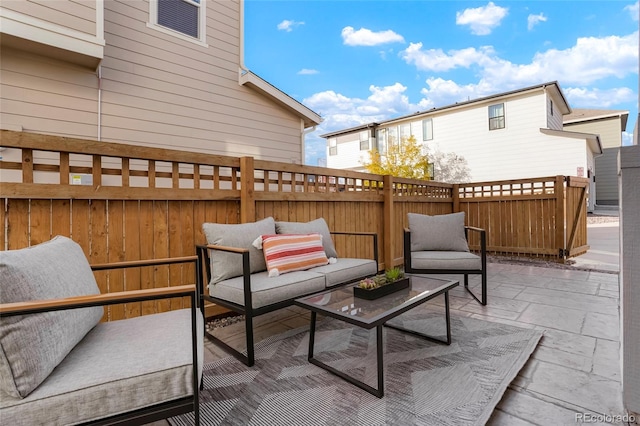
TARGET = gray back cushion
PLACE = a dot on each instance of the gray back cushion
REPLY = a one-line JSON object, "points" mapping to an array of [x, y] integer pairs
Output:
{"points": [[444, 232], [33, 345], [318, 226], [229, 265]]}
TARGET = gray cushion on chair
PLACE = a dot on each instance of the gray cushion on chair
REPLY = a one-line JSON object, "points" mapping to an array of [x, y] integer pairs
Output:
{"points": [[33, 345], [267, 290], [445, 260], [318, 226], [229, 265], [111, 371], [345, 270], [443, 232]]}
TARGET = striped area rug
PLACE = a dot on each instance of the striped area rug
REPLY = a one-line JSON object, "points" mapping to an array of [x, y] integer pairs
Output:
{"points": [[425, 383]]}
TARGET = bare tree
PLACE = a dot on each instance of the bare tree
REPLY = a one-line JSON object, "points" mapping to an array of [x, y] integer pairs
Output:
{"points": [[449, 167]]}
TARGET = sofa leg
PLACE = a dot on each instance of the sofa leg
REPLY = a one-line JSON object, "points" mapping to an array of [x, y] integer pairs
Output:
{"points": [[249, 335]]}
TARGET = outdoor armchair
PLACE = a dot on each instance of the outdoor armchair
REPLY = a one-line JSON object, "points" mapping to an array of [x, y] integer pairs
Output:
{"points": [[61, 365], [438, 245]]}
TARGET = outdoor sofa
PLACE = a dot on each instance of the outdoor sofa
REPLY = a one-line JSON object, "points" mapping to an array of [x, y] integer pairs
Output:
{"points": [[240, 277], [60, 365]]}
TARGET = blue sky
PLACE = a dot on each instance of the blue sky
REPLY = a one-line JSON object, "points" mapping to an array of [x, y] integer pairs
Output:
{"points": [[355, 62]]}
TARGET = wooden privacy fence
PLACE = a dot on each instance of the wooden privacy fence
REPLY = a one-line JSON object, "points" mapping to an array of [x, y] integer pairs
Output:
{"points": [[124, 202]]}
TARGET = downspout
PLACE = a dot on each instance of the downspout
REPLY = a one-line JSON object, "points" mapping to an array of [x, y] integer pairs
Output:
{"points": [[243, 69], [99, 73]]}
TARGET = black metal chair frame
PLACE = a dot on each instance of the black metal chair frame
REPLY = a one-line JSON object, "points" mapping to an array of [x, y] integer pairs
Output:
{"points": [[152, 413], [466, 272], [204, 273]]}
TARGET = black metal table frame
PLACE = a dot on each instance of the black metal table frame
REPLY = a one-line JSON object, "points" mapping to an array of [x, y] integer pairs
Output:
{"points": [[379, 392]]}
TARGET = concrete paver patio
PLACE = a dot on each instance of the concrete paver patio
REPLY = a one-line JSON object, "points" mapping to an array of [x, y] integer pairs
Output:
{"points": [[574, 372]]}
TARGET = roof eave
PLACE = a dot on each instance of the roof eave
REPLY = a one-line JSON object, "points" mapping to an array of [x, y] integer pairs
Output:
{"points": [[256, 83]]}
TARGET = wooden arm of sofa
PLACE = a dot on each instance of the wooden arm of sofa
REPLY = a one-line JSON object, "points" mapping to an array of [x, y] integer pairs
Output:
{"points": [[37, 306], [140, 263]]}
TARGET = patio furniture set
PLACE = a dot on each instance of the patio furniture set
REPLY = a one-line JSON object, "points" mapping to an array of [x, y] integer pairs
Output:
{"points": [[56, 356]]}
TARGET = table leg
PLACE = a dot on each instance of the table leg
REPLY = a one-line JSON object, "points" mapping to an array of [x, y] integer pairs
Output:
{"points": [[312, 335], [425, 336]]}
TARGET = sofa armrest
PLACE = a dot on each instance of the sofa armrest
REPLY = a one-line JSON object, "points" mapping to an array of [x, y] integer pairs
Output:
{"points": [[483, 243], [203, 258], [373, 235]]}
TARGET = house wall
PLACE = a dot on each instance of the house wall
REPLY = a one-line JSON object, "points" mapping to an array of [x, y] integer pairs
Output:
{"points": [[72, 14], [606, 166], [155, 90], [348, 154], [519, 150]]}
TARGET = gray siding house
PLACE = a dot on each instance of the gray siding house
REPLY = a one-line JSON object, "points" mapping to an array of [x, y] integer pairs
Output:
{"points": [[609, 125]]}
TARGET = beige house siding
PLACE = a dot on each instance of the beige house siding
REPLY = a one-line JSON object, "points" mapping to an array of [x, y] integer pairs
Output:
{"points": [[75, 15], [554, 118], [155, 90]]}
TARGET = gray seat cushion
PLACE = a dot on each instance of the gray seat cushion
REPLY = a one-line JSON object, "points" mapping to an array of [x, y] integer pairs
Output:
{"points": [[229, 265], [267, 290], [118, 367], [33, 345], [445, 260], [345, 270]]}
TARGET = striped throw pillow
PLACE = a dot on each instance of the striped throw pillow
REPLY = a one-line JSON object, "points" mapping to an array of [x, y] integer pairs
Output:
{"points": [[292, 252]]}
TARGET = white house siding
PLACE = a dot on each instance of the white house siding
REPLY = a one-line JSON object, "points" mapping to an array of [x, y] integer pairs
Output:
{"points": [[348, 154], [606, 166], [75, 15], [554, 118], [156, 90]]}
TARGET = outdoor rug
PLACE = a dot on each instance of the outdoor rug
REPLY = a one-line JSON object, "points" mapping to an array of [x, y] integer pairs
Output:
{"points": [[425, 383]]}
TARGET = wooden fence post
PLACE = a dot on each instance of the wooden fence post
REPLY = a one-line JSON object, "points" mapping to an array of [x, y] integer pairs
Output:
{"points": [[455, 198], [560, 217], [247, 199], [389, 222]]}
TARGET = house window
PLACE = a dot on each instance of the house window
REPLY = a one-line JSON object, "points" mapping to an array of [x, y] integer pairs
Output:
{"points": [[405, 132], [181, 18], [364, 141], [551, 107], [392, 136], [496, 116], [427, 129], [381, 140], [333, 146]]}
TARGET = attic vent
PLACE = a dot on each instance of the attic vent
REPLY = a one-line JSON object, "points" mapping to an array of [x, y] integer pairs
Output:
{"points": [[180, 15]]}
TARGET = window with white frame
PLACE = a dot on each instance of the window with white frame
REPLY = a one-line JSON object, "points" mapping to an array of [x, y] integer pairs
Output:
{"points": [[185, 19], [381, 140], [333, 146], [405, 132], [427, 129], [496, 116], [392, 136], [364, 140]]}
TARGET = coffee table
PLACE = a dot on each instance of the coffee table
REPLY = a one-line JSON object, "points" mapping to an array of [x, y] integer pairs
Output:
{"points": [[341, 304]]}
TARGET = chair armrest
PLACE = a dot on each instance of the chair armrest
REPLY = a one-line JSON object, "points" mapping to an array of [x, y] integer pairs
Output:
{"points": [[139, 263], [37, 306], [483, 242], [373, 235]]}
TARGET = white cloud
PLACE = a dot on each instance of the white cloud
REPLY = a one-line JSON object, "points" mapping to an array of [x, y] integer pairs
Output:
{"points": [[288, 25], [438, 60], [482, 20], [633, 10], [589, 60], [533, 20], [306, 71], [599, 98], [366, 37]]}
